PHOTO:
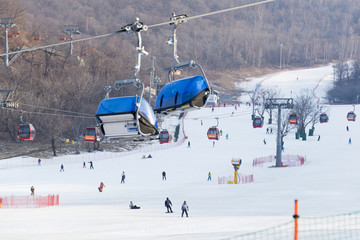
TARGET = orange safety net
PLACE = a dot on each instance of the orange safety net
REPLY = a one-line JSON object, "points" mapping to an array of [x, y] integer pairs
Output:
{"points": [[32, 201]]}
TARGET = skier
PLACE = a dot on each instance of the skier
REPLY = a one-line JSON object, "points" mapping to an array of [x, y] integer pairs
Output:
{"points": [[227, 136], [349, 140], [264, 141], [132, 206], [163, 175], [149, 156], [39, 161], [319, 138], [213, 143], [84, 165], [347, 128], [184, 209], [32, 189], [102, 185], [201, 122], [168, 205], [62, 168], [188, 144], [123, 177], [91, 165], [209, 176]]}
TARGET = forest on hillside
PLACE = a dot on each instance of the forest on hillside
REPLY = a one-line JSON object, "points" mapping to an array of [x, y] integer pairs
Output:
{"points": [[306, 33]]}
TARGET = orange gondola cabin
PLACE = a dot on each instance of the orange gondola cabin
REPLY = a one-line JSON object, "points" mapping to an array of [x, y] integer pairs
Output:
{"points": [[26, 131], [92, 134], [213, 133], [293, 119], [351, 116]]}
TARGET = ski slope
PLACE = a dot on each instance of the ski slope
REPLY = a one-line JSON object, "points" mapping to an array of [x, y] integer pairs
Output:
{"points": [[326, 184]]}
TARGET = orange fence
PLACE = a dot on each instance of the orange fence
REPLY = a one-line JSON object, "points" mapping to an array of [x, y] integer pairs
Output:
{"points": [[286, 160], [32, 201]]}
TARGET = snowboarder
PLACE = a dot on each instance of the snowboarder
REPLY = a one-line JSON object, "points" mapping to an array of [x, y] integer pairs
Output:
{"points": [[62, 168], [163, 175], [123, 177], [32, 189], [264, 141], [84, 165], [132, 206], [39, 161], [227, 136], [184, 209], [347, 128], [349, 140], [102, 185], [188, 144], [209, 176], [168, 205], [270, 130], [91, 165], [149, 156], [319, 138]]}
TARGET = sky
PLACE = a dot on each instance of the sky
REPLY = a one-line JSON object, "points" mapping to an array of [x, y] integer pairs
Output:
{"points": [[326, 184]]}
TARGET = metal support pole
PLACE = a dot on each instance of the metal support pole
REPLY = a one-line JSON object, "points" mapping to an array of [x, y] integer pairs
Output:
{"points": [[281, 46], [278, 140], [152, 74], [6, 48]]}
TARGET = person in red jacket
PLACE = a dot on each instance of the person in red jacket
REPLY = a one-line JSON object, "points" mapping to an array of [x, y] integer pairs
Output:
{"points": [[102, 185]]}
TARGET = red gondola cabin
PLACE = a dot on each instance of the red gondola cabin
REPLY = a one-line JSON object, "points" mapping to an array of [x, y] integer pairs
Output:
{"points": [[164, 137], [324, 118], [258, 122], [91, 134], [213, 133], [293, 119], [351, 116], [26, 131]]}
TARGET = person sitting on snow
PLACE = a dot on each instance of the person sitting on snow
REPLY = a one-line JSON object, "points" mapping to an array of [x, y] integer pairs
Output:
{"points": [[132, 206], [102, 185]]}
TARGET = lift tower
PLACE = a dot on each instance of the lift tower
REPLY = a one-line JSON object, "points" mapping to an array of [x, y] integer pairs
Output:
{"points": [[7, 23], [279, 103], [71, 30]]}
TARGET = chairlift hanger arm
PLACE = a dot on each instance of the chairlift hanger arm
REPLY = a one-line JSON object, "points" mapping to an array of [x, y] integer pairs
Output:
{"points": [[122, 30]]}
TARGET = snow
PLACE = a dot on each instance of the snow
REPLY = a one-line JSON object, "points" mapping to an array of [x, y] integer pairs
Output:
{"points": [[326, 184]]}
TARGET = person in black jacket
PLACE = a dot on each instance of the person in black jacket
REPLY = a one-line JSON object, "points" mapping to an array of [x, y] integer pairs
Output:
{"points": [[168, 205]]}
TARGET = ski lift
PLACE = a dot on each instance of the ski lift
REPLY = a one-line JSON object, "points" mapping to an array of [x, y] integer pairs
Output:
{"points": [[293, 119], [92, 134], [324, 118], [351, 116], [258, 122], [26, 131], [186, 93], [164, 137], [213, 133], [129, 116]]}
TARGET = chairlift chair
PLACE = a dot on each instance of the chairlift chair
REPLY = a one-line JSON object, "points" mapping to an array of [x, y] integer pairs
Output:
{"points": [[26, 131]]}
